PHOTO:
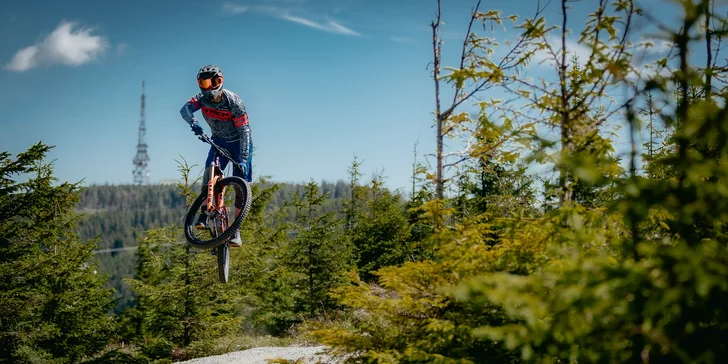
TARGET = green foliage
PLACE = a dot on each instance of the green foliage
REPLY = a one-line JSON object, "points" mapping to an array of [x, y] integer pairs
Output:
{"points": [[615, 265], [655, 291], [622, 267], [119, 215], [410, 316], [53, 307], [266, 284], [407, 314], [319, 253], [380, 233], [377, 225], [501, 189], [421, 226], [182, 308]]}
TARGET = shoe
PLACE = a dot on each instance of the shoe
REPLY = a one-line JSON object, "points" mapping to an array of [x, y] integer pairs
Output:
{"points": [[201, 221], [235, 242]]}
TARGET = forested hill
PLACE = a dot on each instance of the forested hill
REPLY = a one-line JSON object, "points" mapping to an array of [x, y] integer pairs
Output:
{"points": [[168, 196], [120, 214], [116, 211]]}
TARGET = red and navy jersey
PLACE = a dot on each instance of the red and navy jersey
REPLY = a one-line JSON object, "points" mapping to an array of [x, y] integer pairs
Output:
{"points": [[228, 118]]}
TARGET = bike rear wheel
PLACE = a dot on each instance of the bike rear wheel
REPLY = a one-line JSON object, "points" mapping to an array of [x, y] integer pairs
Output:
{"points": [[223, 262], [222, 251], [242, 191]]}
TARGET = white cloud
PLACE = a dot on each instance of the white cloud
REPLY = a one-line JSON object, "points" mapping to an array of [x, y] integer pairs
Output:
{"points": [[284, 12], [24, 59], [544, 57], [235, 9], [66, 45], [654, 45], [330, 25], [645, 71], [642, 68], [644, 47]]}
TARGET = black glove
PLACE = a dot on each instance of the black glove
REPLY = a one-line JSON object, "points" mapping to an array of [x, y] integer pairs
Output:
{"points": [[197, 128]]}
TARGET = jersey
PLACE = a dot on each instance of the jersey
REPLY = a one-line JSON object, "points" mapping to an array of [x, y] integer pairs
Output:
{"points": [[228, 119]]}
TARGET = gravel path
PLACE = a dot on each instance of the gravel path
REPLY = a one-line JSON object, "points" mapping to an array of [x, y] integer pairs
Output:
{"points": [[309, 354]]}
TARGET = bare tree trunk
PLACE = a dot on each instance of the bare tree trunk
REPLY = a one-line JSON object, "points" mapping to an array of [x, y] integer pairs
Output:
{"points": [[709, 61], [650, 150], [458, 98], [439, 119], [564, 195]]}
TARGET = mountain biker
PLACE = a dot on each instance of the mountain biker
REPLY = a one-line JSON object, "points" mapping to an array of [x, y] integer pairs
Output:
{"points": [[227, 117]]}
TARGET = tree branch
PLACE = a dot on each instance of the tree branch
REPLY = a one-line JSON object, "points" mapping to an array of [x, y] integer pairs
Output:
{"points": [[501, 65], [468, 145], [458, 86]]}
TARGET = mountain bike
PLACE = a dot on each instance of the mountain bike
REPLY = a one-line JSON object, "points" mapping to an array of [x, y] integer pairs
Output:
{"points": [[219, 224]]}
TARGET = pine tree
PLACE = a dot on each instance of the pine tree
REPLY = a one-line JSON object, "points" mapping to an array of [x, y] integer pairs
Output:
{"points": [[53, 305], [320, 253], [265, 282], [380, 231], [184, 308]]}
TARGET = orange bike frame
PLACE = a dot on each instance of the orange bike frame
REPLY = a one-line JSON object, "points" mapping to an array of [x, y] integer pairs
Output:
{"points": [[215, 202]]}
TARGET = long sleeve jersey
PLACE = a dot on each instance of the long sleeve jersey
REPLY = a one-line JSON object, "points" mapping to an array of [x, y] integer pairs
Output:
{"points": [[228, 118]]}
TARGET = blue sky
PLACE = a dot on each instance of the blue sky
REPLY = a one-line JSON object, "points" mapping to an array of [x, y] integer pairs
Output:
{"points": [[322, 80]]}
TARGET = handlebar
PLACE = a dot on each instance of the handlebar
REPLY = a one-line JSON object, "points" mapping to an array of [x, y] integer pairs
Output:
{"points": [[222, 151]]}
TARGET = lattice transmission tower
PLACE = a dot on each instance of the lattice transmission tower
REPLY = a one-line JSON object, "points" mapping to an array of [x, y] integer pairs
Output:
{"points": [[141, 174]]}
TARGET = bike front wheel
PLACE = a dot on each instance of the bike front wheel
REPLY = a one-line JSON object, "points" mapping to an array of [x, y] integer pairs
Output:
{"points": [[242, 192]]}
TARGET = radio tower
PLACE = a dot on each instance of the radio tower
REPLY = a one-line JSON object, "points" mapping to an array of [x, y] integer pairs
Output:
{"points": [[141, 175]]}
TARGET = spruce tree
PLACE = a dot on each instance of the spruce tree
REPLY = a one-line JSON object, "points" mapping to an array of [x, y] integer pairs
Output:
{"points": [[380, 232], [53, 304], [268, 298], [184, 308], [320, 253]]}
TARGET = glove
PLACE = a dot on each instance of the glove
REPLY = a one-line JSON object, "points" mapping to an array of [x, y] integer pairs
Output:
{"points": [[197, 128], [244, 169]]}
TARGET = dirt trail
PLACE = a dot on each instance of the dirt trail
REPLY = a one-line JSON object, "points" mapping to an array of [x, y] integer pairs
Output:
{"points": [[306, 355]]}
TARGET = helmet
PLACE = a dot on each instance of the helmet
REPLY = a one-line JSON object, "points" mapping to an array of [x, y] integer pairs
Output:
{"points": [[210, 78]]}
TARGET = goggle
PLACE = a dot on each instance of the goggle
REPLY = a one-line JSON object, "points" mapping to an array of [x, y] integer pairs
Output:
{"points": [[209, 83]]}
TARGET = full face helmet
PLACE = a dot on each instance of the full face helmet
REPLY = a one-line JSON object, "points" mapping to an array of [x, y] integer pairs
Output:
{"points": [[210, 78]]}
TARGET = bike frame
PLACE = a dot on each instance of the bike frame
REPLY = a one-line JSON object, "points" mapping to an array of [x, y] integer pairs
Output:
{"points": [[218, 211], [216, 202]]}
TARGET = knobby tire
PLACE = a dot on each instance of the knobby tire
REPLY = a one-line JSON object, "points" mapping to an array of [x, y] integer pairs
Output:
{"points": [[241, 187], [222, 253], [223, 262]]}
